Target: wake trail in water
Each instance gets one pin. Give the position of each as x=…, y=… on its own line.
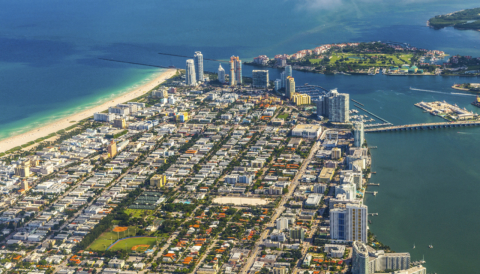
x=464, y=94
x=441, y=92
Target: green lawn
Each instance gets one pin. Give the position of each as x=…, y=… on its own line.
x=137, y=213
x=402, y=59
x=283, y=116
x=109, y=237
x=131, y=242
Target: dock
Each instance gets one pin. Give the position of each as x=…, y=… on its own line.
x=372, y=192
x=372, y=184
x=372, y=214
x=376, y=116
x=357, y=102
x=372, y=147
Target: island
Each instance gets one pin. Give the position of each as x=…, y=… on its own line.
x=365, y=58
x=464, y=19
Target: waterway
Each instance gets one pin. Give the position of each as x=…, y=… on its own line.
x=49, y=63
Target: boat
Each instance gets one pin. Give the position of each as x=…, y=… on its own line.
x=476, y=102
x=413, y=245
x=430, y=246
x=369, y=221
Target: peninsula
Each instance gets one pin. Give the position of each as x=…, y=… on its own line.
x=464, y=19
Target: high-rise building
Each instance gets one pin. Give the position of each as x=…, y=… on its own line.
x=235, y=71
x=336, y=153
x=25, y=185
x=358, y=134
x=282, y=224
x=278, y=84
x=335, y=106
x=290, y=87
x=260, y=78
x=158, y=180
x=288, y=71
x=232, y=72
x=360, y=259
x=283, y=78
x=338, y=107
x=221, y=74
x=297, y=233
x=366, y=260
x=301, y=99
x=119, y=123
x=23, y=171
x=349, y=222
x=198, y=59
x=190, y=77
x=112, y=149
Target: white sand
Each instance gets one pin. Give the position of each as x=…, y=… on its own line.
x=240, y=201
x=34, y=134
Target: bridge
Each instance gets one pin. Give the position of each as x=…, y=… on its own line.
x=425, y=126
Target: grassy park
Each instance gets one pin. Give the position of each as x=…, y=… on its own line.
x=368, y=60
x=108, y=237
x=134, y=244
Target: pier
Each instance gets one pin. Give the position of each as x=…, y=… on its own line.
x=372, y=147
x=376, y=116
x=357, y=102
x=372, y=214
x=372, y=192
x=372, y=184
x=424, y=126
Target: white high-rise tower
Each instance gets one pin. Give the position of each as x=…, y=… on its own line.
x=198, y=58
x=190, y=78
x=221, y=74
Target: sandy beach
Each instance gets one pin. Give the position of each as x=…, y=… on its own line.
x=32, y=135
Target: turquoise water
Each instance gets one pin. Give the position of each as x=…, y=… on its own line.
x=49, y=67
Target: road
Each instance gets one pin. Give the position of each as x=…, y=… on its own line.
x=281, y=207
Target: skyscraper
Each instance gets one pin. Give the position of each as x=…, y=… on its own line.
x=198, y=59
x=278, y=84
x=334, y=106
x=221, y=74
x=290, y=87
x=282, y=224
x=349, y=222
x=360, y=259
x=260, y=78
x=288, y=70
x=112, y=149
x=232, y=71
x=237, y=70
x=283, y=79
x=190, y=78
x=358, y=134
x=297, y=233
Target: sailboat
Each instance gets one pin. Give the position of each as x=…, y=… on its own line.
x=430, y=246
x=413, y=245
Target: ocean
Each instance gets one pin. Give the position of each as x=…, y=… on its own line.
x=50, y=67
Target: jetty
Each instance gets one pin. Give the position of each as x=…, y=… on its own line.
x=372, y=192
x=376, y=116
x=357, y=102
x=372, y=184
x=425, y=126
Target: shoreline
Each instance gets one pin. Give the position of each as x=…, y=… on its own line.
x=32, y=135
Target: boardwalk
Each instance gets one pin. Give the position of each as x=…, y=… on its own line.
x=425, y=126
